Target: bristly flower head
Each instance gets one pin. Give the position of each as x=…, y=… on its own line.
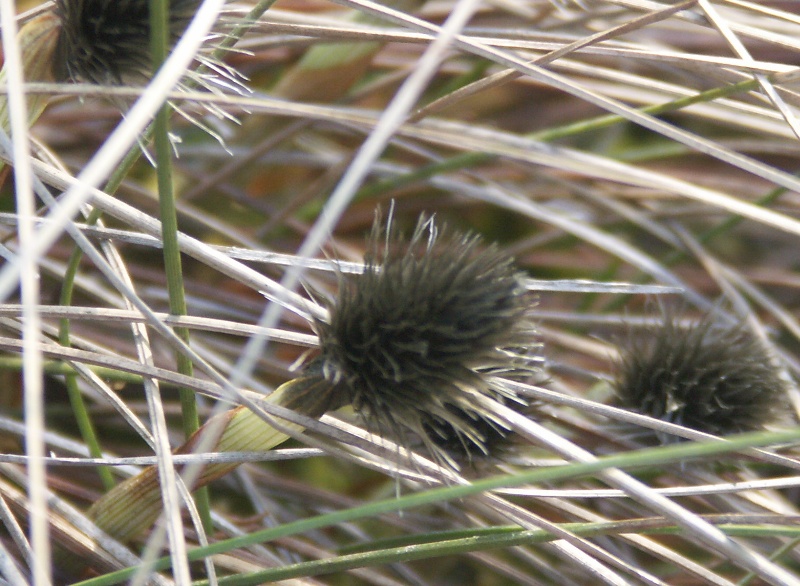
x=108, y=41
x=430, y=323
x=710, y=377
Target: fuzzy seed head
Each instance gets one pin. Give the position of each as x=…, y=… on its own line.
x=427, y=325
x=108, y=41
x=709, y=377
x=495, y=440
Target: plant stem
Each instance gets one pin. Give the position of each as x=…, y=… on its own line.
x=473, y=159
x=73, y=264
x=71, y=379
x=159, y=43
x=646, y=458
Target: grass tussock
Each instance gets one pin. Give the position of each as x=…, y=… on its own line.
x=174, y=244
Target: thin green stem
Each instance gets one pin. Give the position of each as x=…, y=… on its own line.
x=644, y=458
x=82, y=417
x=644, y=526
x=159, y=15
x=723, y=227
x=787, y=547
x=73, y=264
x=472, y=159
x=58, y=367
x=242, y=28
x=159, y=43
x=458, y=546
x=85, y=426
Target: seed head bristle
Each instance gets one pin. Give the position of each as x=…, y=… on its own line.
x=428, y=324
x=495, y=442
x=108, y=41
x=711, y=377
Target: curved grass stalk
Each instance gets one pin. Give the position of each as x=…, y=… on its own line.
x=643, y=458
x=159, y=40
x=444, y=547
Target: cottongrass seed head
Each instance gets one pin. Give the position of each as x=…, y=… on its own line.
x=709, y=376
x=429, y=324
x=107, y=42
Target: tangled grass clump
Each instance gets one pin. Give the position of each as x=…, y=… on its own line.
x=615, y=150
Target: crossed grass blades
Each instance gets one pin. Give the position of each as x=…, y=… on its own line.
x=698, y=193
x=430, y=324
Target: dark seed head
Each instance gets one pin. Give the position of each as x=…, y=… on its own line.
x=428, y=325
x=496, y=441
x=108, y=41
x=709, y=377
